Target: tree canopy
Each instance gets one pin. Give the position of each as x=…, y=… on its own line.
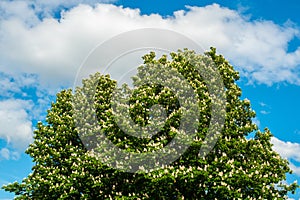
x=237, y=167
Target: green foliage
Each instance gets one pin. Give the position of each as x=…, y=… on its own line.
x=236, y=168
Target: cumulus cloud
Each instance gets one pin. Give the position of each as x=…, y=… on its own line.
x=288, y=150
x=21, y=101
x=15, y=125
x=70, y=3
x=51, y=48
x=20, y=10
x=38, y=9
x=54, y=48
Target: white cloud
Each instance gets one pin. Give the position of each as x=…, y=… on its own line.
x=8, y=154
x=296, y=169
x=33, y=10
x=12, y=85
x=54, y=49
x=288, y=150
x=16, y=114
x=4, y=153
x=262, y=104
x=18, y=10
x=265, y=108
x=15, y=125
x=264, y=112
x=53, y=4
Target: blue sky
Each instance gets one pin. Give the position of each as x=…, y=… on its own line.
x=43, y=43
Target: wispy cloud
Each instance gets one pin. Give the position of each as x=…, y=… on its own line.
x=265, y=108
x=262, y=104
x=8, y=154
x=4, y=153
x=12, y=86
x=264, y=112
